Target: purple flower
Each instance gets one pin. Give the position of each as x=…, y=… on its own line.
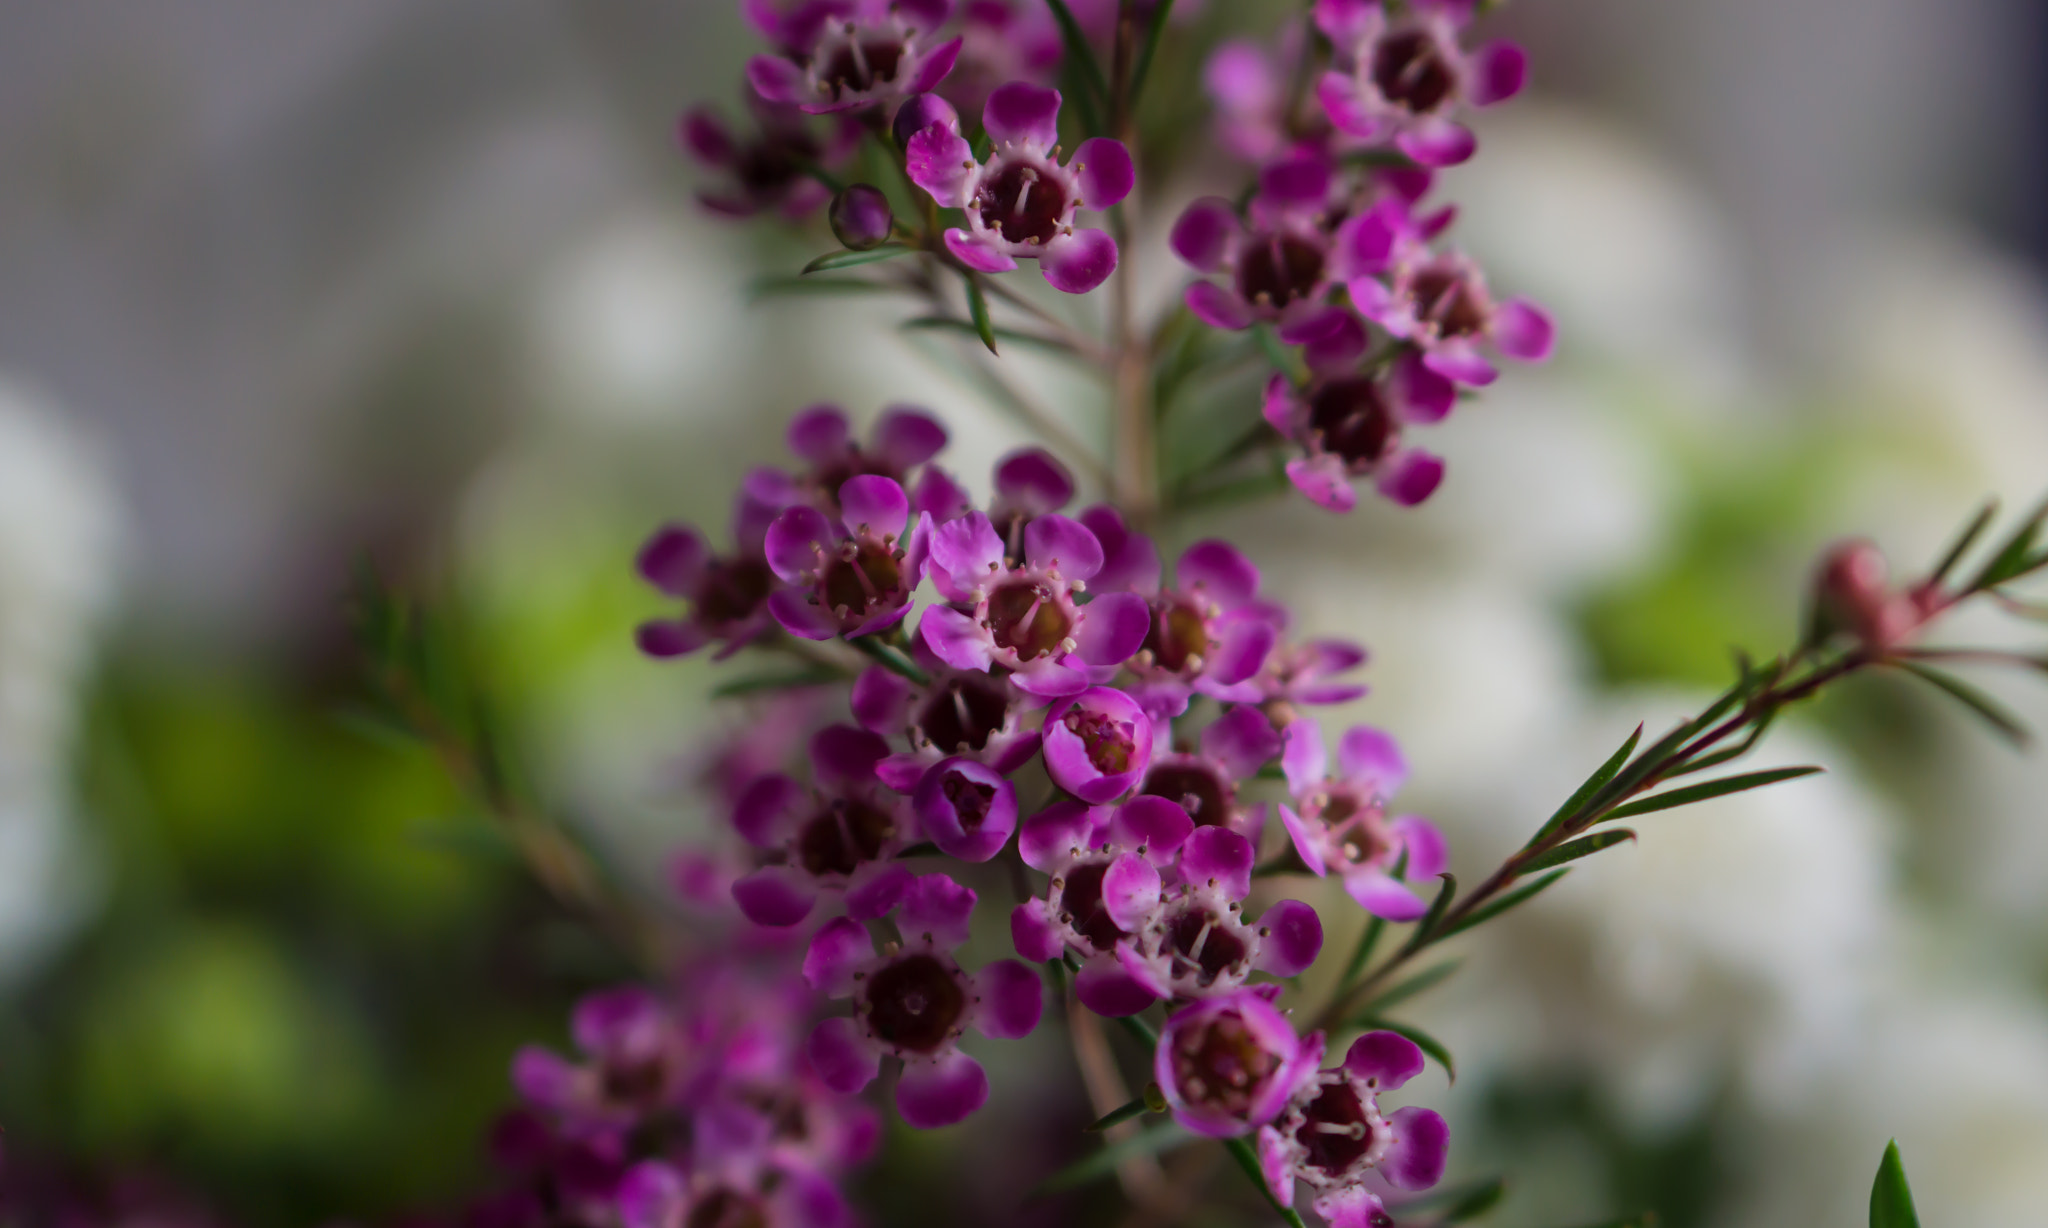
x=733, y=1184
x=1350, y=426
x=1105, y=865
x=1097, y=744
x=1283, y=259
x=967, y=809
x=1003, y=40
x=1332, y=1135
x=1248, y=84
x=1339, y=824
x=1209, y=632
x=1025, y=618
x=840, y=833
x=1440, y=304
x=1099, y=17
x=1029, y=482
x=728, y=594
x=850, y=579
x=841, y=54
x=914, y=1003
x=960, y=713
x=1230, y=1064
x=769, y=169
x=1298, y=674
x=1021, y=202
x=1404, y=77
x=860, y=218
x=1204, y=783
x=636, y=1062
x=1199, y=944
x=904, y=437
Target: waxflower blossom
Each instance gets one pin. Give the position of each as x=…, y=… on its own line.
x=1002, y=41
x=732, y=1180
x=1204, y=781
x=636, y=1062
x=956, y=714
x=1246, y=82
x=1105, y=865
x=914, y=1002
x=1339, y=824
x=1025, y=617
x=1097, y=744
x=769, y=170
x=1020, y=204
x=1199, y=944
x=1350, y=426
x=1332, y=1135
x=903, y=438
x=1229, y=1064
x=840, y=833
x=850, y=579
x=860, y=218
x=1210, y=634
x=966, y=808
x=1852, y=593
x=1029, y=482
x=728, y=594
x=1283, y=259
x=1440, y=304
x=1299, y=675
x=1405, y=76
x=838, y=55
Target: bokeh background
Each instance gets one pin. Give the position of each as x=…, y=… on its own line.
x=285, y=287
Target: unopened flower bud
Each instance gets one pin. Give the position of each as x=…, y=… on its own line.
x=921, y=111
x=1852, y=595
x=861, y=218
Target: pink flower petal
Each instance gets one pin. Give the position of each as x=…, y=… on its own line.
x=1217, y=307
x=1012, y=1000
x=978, y=253
x=1290, y=938
x=1428, y=851
x=1202, y=234
x=841, y=1058
x=1324, y=481
x=940, y=161
x=1078, y=262
x=1104, y=172
x=1523, y=330
x=942, y=1092
x=1305, y=843
x=835, y=953
x=775, y=896
x=1023, y=114
x=937, y=909
x=1411, y=476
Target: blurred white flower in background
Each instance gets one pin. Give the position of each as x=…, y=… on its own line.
x=60, y=551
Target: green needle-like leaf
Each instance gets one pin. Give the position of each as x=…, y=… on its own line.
x=1241, y=1151
x=1891, y=1201
x=1963, y=543
x=1708, y=790
x=1118, y=1116
x=1419, y=983
x=944, y=324
x=1594, y=784
x=2015, y=558
x=1993, y=712
x=1585, y=846
x=1143, y=67
x=1422, y=1040
x=846, y=260
x=1094, y=95
x=1520, y=895
x=977, y=307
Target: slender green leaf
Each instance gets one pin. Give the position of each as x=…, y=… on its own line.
x=1363, y=951
x=1993, y=712
x=944, y=324
x=1143, y=67
x=1100, y=1164
x=1494, y=908
x=891, y=658
x=1140, y=1031
x=1593, y=784
x=1435, y=915
x=1118, y=1116
x=1707, y=790
x=977, y=307
x=787, y=680
x=923, y=848
x=2013, y=558
x=1584, y=846
x=1891, y=1201
x=1421, y=982
x=846, y=260
x=1081, y=59
x=1422, y=1040
x=376, y=726
x=1241, y=1151
x=1963, y=543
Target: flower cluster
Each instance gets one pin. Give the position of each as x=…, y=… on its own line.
x=1066, y=702
x=1335, y=250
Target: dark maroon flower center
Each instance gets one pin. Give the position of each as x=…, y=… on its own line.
x=724, y=1208
x=636, y=1081
x=1448, y=299
x=1409, y=68
x=1026, y=617
x=964, y=713
x=970, y=798
x=1218, y=1063
x=844, y=834
x=1082, y=907
x=1352, y=417
x=850, y=464
x=863, y=575
x=733, y=590
x=914, y=1003
x=1278, y=269
x=1336, y=1129
x=767, y=168
x=1207, y=943
x=1360, y=825
x=1025, y=202
x=1195, y=787
x=1106, y=740
x=1179, y=635
x=858, y=63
